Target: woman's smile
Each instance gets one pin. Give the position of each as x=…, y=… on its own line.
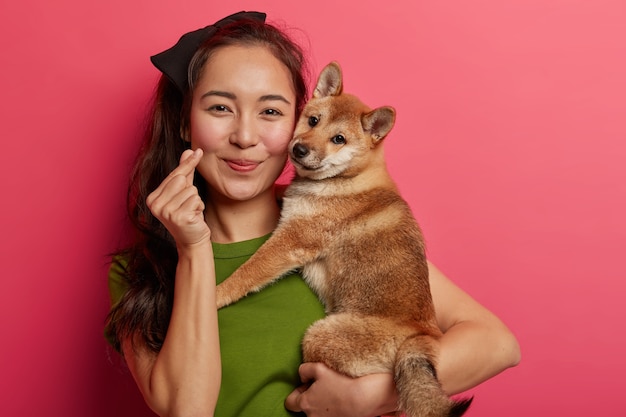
x=242, y=165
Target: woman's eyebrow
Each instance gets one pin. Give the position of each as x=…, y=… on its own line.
x=219, y=94
x=226, y=94
x=273, y=97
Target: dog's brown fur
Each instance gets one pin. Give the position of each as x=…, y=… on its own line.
x=360, y=249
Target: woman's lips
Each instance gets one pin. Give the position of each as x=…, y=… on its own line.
x=241, y=165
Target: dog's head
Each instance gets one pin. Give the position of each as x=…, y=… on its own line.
x=336, y=133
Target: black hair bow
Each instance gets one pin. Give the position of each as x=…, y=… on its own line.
x=174, y=62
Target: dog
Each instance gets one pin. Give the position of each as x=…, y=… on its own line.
x=345, y=225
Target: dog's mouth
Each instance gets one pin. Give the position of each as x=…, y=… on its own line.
x=301, y=165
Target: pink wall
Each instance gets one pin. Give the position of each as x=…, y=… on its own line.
x=510, y=145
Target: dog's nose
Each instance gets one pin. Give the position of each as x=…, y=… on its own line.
x=299, y=150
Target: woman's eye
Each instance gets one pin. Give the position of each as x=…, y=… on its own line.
x=272, y=112
x=313, y=121
x=218, y=108
x=338, y=140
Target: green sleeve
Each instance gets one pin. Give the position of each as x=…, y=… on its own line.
x=117, y=288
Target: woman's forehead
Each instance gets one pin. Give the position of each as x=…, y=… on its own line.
x=246, y=69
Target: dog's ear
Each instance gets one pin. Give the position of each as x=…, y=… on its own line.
x=378, y=122
x=329, y=82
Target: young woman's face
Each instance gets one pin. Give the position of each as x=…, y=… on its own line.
x=242, y=116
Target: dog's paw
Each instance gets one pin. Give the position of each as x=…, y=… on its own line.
x=221, y=297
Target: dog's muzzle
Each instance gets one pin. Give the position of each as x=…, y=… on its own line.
x=299, y=151
x=299, y=154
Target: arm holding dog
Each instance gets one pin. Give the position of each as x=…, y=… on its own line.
x=476, y=345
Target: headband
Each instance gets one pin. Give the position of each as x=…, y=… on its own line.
x=174, y=62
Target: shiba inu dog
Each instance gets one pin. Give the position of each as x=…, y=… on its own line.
x=344, y=223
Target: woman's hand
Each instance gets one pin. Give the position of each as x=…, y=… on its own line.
x=328, y=393
x=177, y=204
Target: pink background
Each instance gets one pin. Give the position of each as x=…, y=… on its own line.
x=510, y=146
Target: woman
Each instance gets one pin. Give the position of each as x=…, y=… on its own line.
x=202, y=199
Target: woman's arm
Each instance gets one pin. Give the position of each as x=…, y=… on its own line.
x=475, y=346
x=184, y=377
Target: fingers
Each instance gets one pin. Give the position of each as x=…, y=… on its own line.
x=177, y=204
x=188, y=162
x=309, y=372
x=293, y=400
x=182, y=201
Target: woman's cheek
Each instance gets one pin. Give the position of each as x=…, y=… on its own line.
x=278, y=138
x=205, y=137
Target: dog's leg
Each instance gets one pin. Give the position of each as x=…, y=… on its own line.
x=276, y=257
x=354, y=345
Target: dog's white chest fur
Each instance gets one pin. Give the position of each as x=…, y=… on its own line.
x=315, y=275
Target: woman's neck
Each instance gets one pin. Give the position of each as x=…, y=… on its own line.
x=236, y=221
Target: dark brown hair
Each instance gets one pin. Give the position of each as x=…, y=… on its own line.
x=149, y=263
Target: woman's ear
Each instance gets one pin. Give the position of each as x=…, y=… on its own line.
x=184, y=134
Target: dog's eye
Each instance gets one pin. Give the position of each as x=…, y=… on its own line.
x=313, y=121
x=338, y=140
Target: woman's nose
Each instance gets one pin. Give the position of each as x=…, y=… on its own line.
x=245, y=133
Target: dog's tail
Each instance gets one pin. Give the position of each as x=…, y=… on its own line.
x=420, y=393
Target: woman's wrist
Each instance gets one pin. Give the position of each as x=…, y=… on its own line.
x=191, y=250
x=380, y=388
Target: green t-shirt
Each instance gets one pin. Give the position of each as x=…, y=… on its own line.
x=260, y=337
